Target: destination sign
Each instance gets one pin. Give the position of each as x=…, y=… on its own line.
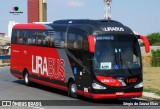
x=105, y=38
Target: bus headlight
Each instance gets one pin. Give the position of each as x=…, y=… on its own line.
x=97, y=86
x=140, y=85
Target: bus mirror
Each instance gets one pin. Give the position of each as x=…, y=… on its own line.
x=91, y=43
x=146, y=43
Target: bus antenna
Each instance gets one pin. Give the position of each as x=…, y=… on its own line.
x=107, y=8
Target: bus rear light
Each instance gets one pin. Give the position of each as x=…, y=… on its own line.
x=97, y=86
x=91, y=43
x=146, y=43
x=140, y=85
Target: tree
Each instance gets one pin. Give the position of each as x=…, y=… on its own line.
x=154, y=39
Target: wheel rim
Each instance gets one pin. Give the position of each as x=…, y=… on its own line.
x=73, y=88
x=26, y=78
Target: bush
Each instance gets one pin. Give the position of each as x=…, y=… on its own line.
x=155, y=61
x=157, y=44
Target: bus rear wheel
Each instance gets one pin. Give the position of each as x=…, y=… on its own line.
x=72, y=92
x=26, y=78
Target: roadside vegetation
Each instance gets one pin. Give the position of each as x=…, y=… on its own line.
x=151, y=66
x=154, y=39
x=151, y=77
x=155, y=60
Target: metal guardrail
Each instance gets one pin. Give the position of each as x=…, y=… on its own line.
x=4, y=57
x=152, y=48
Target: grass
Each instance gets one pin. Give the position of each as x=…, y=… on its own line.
x=151, y=78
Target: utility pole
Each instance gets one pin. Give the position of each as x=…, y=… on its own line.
x=107, y=9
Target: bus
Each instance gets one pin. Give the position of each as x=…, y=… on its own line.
x=97, y=59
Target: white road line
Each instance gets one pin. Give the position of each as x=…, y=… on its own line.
x=36, y=107
x=140, y=99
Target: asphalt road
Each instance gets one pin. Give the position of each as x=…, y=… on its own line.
x=13, y=89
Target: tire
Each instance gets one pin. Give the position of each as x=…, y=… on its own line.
x=26, y=78
x=72, y=92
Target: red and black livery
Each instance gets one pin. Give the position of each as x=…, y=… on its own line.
x=98, y=59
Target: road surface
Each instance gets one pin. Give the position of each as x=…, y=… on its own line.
x=13, y=89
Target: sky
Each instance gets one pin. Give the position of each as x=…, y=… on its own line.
x=142, y=16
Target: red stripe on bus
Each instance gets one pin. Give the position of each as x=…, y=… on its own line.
x=110, y=81
x=125, y=95
x=30, y=26
x=17, y=75
x=108, y=96
x=80, y=92
x=49, y=84
x=87, y=94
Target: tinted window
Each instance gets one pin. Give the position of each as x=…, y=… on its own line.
x=116, y=52
x=47, y=38
x=59, y=39
x=77, y=39
x=14, y=38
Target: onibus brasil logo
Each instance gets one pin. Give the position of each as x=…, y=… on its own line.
x=16, y=10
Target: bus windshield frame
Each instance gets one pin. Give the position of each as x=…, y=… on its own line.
x=117, y=53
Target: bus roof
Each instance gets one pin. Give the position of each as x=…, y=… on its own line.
x=91, y=26
x=85, y=21
x=102, y=26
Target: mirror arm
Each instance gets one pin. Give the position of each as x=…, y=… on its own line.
x=145, y=41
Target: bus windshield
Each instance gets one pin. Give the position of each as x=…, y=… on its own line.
x=115, y=52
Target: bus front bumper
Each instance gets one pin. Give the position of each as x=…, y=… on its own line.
x=117, y=95
x=110, y=96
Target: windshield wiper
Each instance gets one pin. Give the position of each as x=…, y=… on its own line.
x=121, y=62
x=120, y=58
x=115, y=54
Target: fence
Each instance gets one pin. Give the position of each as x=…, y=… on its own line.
x=152, y=48
x=4, y=60
x=4, y=57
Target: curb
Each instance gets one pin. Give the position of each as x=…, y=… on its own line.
x=151, y=96
x=4, y=64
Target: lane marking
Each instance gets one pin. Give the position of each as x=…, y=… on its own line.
x=36, y=107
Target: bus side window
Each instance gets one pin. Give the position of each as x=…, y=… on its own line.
x=20, y=36
x=25, y=37
x=39, y=41
x=58, y=39
x=29, y=41
x=39, y=37
x=45, y=41
x=33, y=41
x=14, y=37
x=17, y=36
x=50, y=41
x=80, y=38
x=34, y=35
x=21, y=40
x=62, y=35
x=85, y=42
x=79, y=41
x=71, y=42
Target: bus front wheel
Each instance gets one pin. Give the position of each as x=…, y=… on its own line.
x=72, y=92
x=26, y=78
